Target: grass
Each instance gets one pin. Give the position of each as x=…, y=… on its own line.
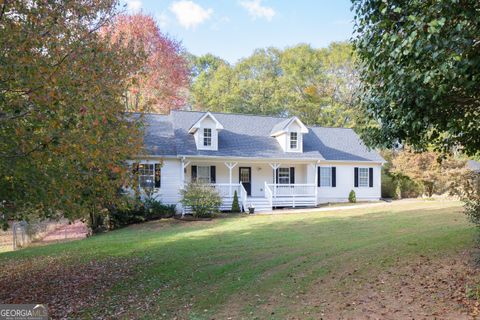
x=255, y=266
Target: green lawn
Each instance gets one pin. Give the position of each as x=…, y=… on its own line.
x=252, y=266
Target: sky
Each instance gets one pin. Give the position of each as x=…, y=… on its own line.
x=233, y=29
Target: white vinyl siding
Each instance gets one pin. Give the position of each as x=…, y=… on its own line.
x=206, y=137
x=170, y=178
x=345, y=183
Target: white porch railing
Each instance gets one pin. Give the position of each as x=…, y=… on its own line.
x=243, y=197
x=293, y=194
x=278, y=195
x=286, y=190
x=226, y=189
x=268, y=194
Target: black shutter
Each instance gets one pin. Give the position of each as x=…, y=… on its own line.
x=292, y=175
x=194, y=173
x=158, y=176
x=370, y=177
x=213, y=175
x=276, y=176
x=356, y=178
x=318, y=176
x=334, y=176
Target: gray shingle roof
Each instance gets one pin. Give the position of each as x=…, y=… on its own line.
x=280, y=126
x=249, y=136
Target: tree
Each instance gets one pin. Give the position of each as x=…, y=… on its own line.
x=319, y=84
x=316, y=85
x=64, y=137
x=161, y=82
x=235, y=205
x=429, y=168
x=352, y=197
x=419, y=68
x=210, y=82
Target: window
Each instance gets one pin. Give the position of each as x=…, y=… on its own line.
x=245, y=175
x=207, y=137
x=363, y=177
x=283, y=175
x=203, y=174
x=293, y=140
x=149, y=175
x=325, y=177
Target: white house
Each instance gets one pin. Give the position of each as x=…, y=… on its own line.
x=271, y=162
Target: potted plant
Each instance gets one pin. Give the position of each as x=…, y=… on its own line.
x=251, y=208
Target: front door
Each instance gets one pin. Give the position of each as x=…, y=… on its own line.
x=246, y=179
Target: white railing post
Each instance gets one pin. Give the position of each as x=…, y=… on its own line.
x=268, y=194
x=243, y=196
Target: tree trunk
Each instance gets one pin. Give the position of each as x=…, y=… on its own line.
x=429, y=188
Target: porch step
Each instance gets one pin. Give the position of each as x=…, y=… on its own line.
x=260, y=204
x=299, y=201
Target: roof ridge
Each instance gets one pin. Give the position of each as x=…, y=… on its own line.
x=235, y=114
x=258, y=115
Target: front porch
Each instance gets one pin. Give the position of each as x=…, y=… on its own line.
x=265, y=185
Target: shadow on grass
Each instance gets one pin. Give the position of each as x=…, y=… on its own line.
x=202, y=265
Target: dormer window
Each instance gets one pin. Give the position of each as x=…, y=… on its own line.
x=205, y=132
x=289, y=134
x=293, y=140
x=207, y=137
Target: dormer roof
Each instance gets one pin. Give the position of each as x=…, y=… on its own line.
x=197, y=124
x=282, y=127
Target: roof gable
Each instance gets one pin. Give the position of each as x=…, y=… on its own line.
x=198, y=124
x=282, y=127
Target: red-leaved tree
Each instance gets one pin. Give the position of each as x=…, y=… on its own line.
x=161, y=83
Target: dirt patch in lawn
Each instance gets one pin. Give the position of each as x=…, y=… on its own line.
x=425, y=288
x=422, y=288
x=66, y=285
x=169, y=223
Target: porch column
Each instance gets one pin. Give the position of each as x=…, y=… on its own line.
x=275, y=166
x=315, y=172
x=182, y=173
x=230, y=166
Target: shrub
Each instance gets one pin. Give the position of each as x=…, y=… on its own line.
x=203, y=199
x=352, y=198
x=155, y=209
x=388, y=186
x=468, y=189
x=136, y=211
x=235, y=205
x=410, y=188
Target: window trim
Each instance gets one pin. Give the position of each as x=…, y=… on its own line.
x=207, y=137
x=152, y=173
x=366, y=177
x=294, y=140
x=329, y=176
